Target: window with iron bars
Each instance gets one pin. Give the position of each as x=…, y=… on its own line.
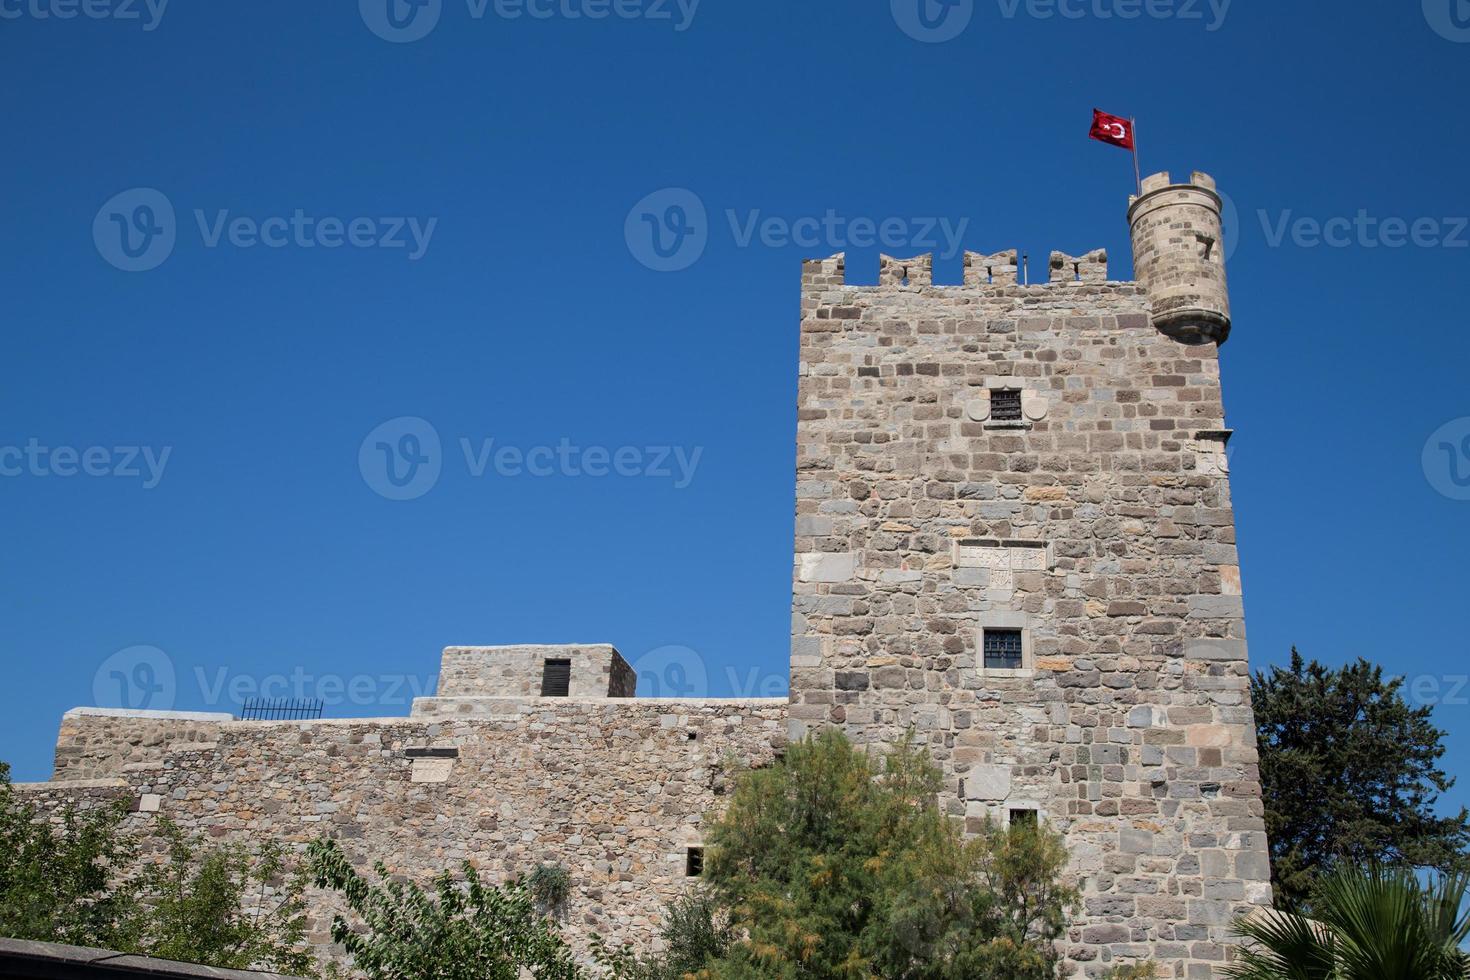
x=1005, y=405
x=1003, y=649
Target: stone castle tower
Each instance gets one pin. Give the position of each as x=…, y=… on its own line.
x=1013, y=537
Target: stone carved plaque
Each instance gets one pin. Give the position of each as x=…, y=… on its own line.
x=431, y=770
x=1002, y=558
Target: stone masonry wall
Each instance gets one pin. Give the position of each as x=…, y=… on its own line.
x=614, y=790
x=1099, y=524
x=101, y=742
x=598, y=671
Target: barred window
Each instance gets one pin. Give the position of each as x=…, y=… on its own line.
x=1002, y=649
x=694, y=862
x=1005, y=405
x=556, y=679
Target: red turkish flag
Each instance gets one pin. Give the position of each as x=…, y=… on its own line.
x=1112, y=129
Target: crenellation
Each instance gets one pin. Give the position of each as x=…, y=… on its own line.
x=1091, y=267
x=917, y=271
x=995, y=269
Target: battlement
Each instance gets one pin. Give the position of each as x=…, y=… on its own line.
x=994, y=271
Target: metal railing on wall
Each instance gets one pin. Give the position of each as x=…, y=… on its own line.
x=281, y=709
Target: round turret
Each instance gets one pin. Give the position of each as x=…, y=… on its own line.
x=1179, y=257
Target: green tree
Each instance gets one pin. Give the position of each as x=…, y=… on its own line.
x=1350, y=772
x=695, y=932
x=829, y=864
x=1367, y=925
x=57, y=878
x=80, y=880
x=225, y=906
x=461, y=930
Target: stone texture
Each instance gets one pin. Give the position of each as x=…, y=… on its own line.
x=615, y=790
x=1138, y=712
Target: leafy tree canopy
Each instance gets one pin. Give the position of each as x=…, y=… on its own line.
x=830, y=864
x=1350, y=772
x=461, y=929
x=82, y=879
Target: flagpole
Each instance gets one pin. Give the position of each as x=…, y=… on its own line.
x=1137, y=174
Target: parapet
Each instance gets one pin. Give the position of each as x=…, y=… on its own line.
x=995, y=270
x=577, y=670
x=1092, y=267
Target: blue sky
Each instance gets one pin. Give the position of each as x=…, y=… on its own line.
x=370, y=228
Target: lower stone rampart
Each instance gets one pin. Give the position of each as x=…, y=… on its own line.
x=614, y=790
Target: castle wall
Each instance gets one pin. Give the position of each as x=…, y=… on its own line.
x=613, y=790
x=96, y=742
x=1099, y=524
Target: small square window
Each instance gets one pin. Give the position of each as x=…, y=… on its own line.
x=1005, y=405
x=556, y=679
x=1023, y=818
x=1003, y=649
x=694, y=862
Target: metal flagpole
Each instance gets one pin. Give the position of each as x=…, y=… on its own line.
x=1137, y=174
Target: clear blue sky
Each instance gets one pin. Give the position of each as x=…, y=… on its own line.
x=523, y=315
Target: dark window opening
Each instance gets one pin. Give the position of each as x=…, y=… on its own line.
x=1005, y=405
x=1023, y=818
x=1002, y=649
x=556, y=679
x=694, y=862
